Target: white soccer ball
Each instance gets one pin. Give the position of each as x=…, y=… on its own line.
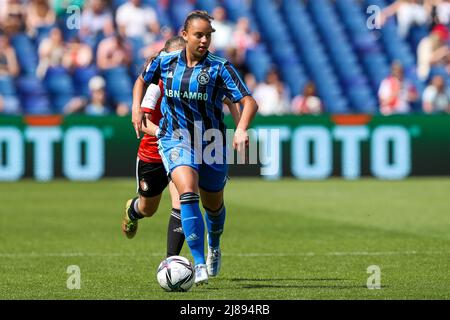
x=175, y=274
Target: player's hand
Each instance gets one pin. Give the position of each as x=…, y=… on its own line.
x=137, y=118
x=151, y=129
x=240, y=143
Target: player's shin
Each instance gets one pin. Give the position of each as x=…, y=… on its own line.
x=215, y=221
x=193, y=225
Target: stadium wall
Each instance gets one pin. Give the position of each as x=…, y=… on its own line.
x=306, y=147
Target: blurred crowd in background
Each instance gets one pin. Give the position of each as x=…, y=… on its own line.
x=296, y=56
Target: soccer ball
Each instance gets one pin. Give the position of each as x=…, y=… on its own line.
x=175, y=274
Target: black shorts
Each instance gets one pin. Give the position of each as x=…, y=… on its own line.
x=151, y=178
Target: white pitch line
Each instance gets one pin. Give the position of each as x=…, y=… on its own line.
x=249, y=254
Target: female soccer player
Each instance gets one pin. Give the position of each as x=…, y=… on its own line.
x=151, y=175
x=195, y=82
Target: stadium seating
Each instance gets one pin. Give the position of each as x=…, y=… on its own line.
x=58, y=83
x=325, y=41
x=81, y=77
x=345, y=63
x=281, y=47
x=118, y=85
x=314, y=56
x=33, y=96
x=26, y=53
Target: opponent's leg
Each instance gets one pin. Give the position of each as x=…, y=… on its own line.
x=151, y=180
x=175, y=235
x=136, y=209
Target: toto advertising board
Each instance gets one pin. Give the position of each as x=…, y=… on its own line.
x=303, y=147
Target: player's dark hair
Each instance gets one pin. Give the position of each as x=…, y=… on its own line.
x=197, y=14
x=176, y=41
x=172, y=42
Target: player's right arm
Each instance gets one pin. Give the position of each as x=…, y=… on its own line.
x=148, y=105
x=151, y=74
x=137, y=115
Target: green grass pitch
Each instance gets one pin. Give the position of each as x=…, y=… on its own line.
x=285, y=239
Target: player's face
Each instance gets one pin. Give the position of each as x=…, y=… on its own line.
x=198, y=37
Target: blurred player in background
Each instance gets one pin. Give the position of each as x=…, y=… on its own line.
x=195, y=82
x=151, y=175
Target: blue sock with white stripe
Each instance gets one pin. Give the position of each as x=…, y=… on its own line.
x=215, y=222
x=193, y=225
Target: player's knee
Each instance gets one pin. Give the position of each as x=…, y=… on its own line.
x=214, y=210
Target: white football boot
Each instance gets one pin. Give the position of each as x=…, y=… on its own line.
x=201, y=274
x=213, y=261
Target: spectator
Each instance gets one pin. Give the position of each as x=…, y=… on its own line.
x=243, y=38
x=9, y=68
x=237, y=61
x=441, y=12
x=12, y=17
x=250, y=81
x=396, y=93
x=77, y=55
x=307, y=102
x=39, y=15
x=436, y=96
x=155, y=47
x=432, y=50
x=51, y=52
x=409, y=13
x=97, y=106
x=113, y=52
x=271, y=95
x=134, y=20
x=222, y=38
x=96, y=21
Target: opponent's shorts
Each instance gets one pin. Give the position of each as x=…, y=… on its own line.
x=209, y=163
x=151, y=178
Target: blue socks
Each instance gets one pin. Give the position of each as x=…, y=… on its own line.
x=215, y=225
x=193, y=225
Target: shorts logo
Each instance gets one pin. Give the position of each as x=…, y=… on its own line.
x=203, y=77
x=144, y=185
x=174, y=155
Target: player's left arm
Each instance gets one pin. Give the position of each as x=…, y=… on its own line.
x=238, y=91
x=235, y=110
x=250, y=107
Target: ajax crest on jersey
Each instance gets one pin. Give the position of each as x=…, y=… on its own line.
x=175, y=274
x=203, y=77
